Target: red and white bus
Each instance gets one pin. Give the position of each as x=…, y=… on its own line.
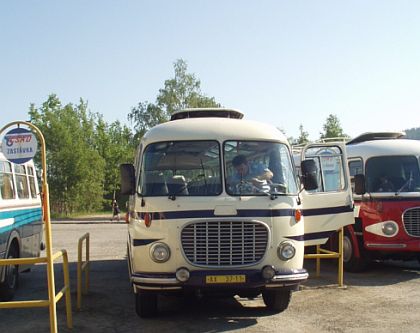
x=384, y=171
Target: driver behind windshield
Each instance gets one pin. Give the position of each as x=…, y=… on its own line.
x=252, y=175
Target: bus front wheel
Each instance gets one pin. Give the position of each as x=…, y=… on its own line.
x=146, y=304
x=277, y=300
x=351, y=262
x=11, y=276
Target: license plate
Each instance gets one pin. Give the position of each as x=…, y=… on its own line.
x=212, y=279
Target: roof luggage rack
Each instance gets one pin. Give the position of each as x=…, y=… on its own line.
x=207, y=113
x=371, y=136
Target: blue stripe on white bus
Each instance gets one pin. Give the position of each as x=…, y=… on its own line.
x=20, y=217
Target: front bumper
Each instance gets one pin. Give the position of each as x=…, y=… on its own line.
x=253, y=279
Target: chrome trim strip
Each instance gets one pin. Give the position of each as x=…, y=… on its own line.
x=394, y=246
x=290, y=277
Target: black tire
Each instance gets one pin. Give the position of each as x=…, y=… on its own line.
x=11, y=276
x=277, y=300
x=146, y=304
x=351, y=262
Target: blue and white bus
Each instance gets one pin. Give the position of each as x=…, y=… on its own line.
x=21, y=228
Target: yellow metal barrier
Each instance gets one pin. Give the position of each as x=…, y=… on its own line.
x=326, y=254
x=82, y=266
x=65, y=291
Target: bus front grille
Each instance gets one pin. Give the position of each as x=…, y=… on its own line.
x=224, y=243
x=411, y=219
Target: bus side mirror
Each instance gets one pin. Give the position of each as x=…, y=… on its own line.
x=128, y=179
x=309, y=175
x=359, y=184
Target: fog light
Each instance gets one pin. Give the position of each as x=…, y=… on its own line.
x=286, y=251
x=268, y=272
x=389, y=228
x=159, y=252
x=182, y=274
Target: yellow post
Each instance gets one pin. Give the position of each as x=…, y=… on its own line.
x=82, y=266
x=318, y=261
x=67, y=287
x=340, y=258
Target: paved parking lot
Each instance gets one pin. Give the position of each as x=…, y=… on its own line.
x=384, y=299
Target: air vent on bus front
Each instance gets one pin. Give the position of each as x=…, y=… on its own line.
x=224, y=243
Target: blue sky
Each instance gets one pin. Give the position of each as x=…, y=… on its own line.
x=283, y=62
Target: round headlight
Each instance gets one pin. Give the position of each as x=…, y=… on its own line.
x=182, y=274
x=268, y=272
x=286, y=251
x=389, y=228
x=159, y=252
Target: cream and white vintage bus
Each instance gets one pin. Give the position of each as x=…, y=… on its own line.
x=21, y=228
x=199, y=223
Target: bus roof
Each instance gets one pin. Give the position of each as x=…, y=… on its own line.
x=220, y=129
x=387, y=147
x=371, y=136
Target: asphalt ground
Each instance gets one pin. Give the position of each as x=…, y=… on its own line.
x=386, y=298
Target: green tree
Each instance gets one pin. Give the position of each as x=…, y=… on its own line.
x=115, y=144
x=182, y=91
x=332, y=128
x=75, y=169
x=303, y=136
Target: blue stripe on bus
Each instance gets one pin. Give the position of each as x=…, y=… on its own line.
x=312, y=236
x=327, y=210
x=187, y=214
x=21, y=217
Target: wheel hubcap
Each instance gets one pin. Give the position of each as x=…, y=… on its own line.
x=347, y=249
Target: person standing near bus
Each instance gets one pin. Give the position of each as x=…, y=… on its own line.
x=115, y=210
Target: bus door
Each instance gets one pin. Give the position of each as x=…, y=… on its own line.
x=330, y=206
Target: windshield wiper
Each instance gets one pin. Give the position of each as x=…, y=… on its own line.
x=406, y=184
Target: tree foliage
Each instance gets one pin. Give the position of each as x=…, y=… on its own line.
x=413, y=133
x=332, y=128
x=303, y=136
x=83, y=154
x=182, y=91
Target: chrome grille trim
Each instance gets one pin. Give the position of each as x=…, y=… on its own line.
x=224, y=243
x=411, y=220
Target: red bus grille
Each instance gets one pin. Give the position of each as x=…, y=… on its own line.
x=411, y=219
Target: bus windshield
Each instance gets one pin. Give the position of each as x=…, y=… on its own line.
x=392, y=174
x=181, y=168
x=258, y=168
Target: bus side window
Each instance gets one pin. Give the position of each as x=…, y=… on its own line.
x=355, y=168
x=6, y=181
x=21, y=182
x=32, y=185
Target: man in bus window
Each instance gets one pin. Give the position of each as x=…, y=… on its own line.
x=253, y=173
x=385, y=185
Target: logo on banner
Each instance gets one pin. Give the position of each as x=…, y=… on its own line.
x=19, y=145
